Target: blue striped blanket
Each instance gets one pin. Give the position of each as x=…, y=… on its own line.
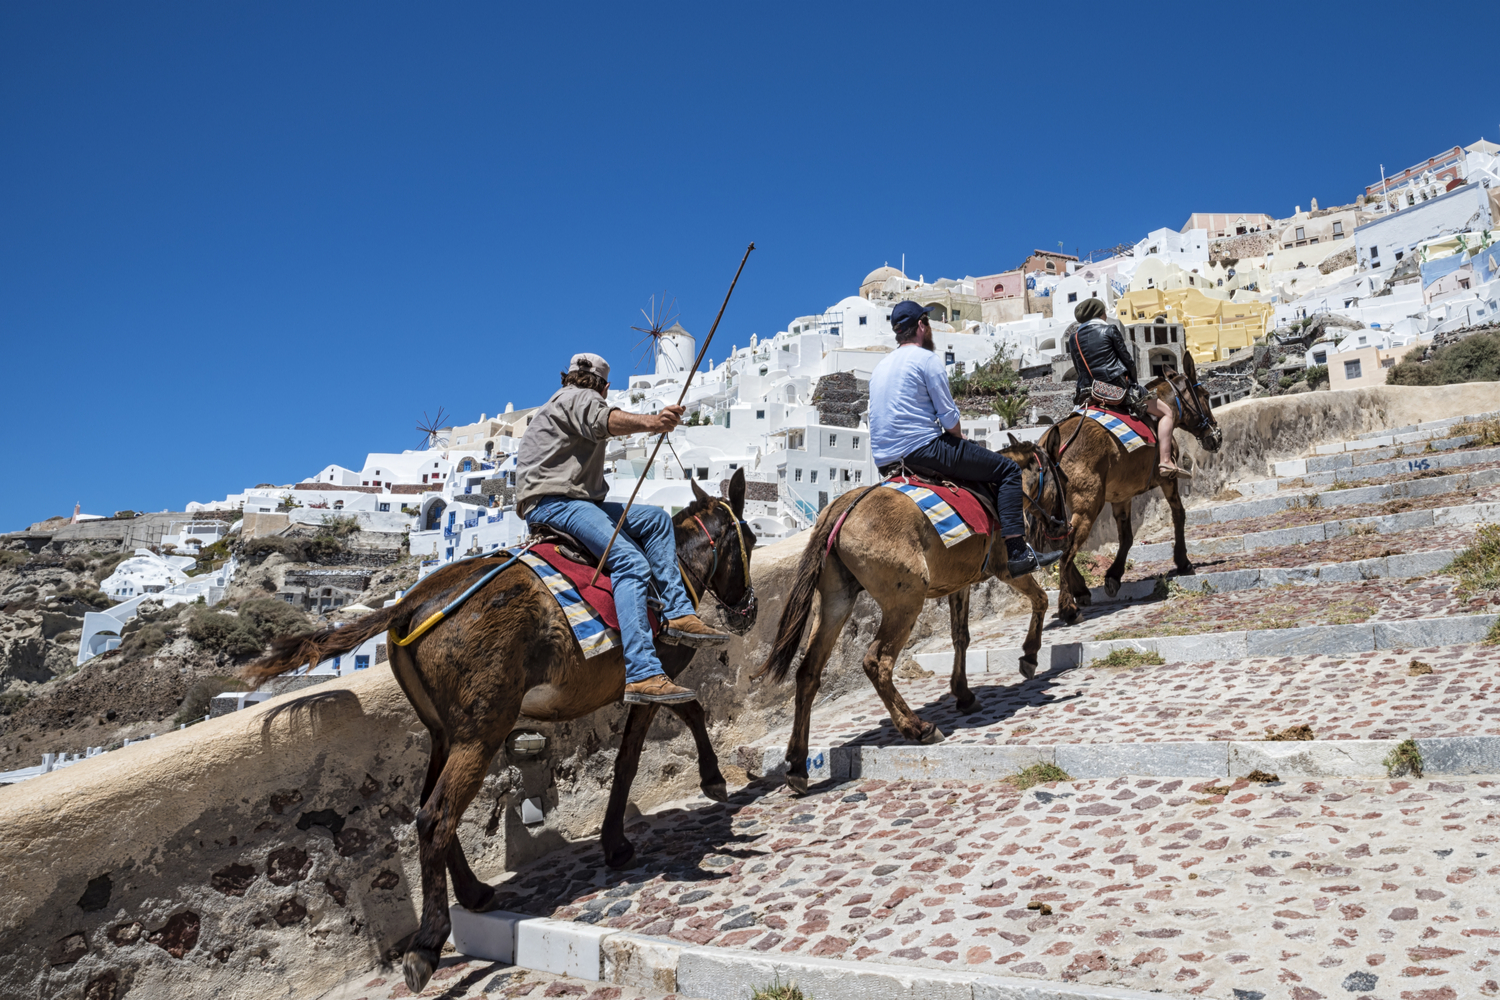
x=1111, y=422
x=593, y=635
x=950, y=526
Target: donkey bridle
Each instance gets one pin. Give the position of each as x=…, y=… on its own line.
x=738, y=616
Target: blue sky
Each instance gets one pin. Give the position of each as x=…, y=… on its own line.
x=241, y=241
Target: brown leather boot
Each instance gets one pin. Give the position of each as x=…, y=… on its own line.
x=657, y=690
x=689, y=630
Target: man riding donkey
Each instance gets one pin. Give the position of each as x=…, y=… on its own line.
x=1106, y=372
x=914, y=425
x=560, y=484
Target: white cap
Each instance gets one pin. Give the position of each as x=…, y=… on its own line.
x=589, y=363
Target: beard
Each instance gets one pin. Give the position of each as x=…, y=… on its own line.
x=926, y=340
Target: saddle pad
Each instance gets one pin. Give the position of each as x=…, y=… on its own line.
x=955, y=514
x=1130, y=432
x=590, y=609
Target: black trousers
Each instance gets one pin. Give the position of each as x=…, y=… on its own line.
x=956, y=458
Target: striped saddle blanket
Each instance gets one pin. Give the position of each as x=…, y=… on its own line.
x=954, y=513
x=590, y=609
x=1129, y=431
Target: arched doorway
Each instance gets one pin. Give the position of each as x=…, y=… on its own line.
x=434, y=519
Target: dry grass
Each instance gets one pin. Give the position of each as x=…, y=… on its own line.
x=1261, y=777
x=778, y=991
x=1418, y=668
x=1127, y=658
x=1478, y=566
x=1290, y=734
x=1037, y=774
x=1486, y=433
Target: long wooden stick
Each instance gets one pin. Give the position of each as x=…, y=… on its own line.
x=680, y=397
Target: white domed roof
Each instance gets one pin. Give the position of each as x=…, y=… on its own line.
x=881, y=273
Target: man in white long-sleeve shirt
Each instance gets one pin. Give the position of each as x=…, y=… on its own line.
x=914, y=422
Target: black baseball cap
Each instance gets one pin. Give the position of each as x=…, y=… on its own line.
x=906, y=312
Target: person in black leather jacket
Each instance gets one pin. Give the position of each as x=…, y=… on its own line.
x=1099, y=354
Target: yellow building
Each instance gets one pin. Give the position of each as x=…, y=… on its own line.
x=1214, y=327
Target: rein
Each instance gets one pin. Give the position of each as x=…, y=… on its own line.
x=746, y=607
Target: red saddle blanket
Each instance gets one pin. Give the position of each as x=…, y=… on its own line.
x=600, y=596
x=964, y=503
x=1121, y=425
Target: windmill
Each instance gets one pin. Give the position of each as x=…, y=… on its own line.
x=659, y=315
x=429, y=429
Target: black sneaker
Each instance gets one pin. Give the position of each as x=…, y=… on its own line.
x=1029, y=561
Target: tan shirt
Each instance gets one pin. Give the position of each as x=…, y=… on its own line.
x=562, y=451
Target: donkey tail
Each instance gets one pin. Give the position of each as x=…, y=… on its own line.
x=289, y=652
x=799, y=602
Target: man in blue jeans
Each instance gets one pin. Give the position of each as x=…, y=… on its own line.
x=914, y=422
x=560, y=482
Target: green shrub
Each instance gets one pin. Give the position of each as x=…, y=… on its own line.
x=1476, y=358
x=108, y=564
x=322, y=548
x=272, y=618
x=339, y=525
x=229, y=634
x=11, y=701
x=199, y=693
x=75, y=565
x=145, y=640
x=10, y=558
x=1129, y=658
x=1316, y=375
x=87, y=595
x=1405, y=759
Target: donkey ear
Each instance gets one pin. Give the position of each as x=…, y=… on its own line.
x=1189, y=366
x=698, y=493
x=1015, y=442
x=737, y=493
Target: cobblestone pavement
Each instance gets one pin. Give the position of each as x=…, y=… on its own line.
x=1300, y=890
x=1366, y=696
x=1291, y=606
x=459, y=978
x=1298, y=516
x=1338, y=550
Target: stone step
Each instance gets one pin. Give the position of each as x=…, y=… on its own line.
x=1299, y=467
x=1411, y=633
x=1079, y=889
x=1384, y=524
x=1228, y=759
x=1407, y=465
x=1402, y=566
x=1413, y=488
x=587, y=952
x=1425, y=427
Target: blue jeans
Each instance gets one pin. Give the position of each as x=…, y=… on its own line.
x=645, y=551
x=946, y=455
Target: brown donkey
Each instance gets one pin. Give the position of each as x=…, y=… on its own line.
x=1096, y=470
x=507, y=652
x=887, y=546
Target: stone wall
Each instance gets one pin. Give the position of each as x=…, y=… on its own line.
x=271, y=851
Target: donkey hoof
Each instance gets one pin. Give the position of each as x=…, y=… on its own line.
x=419, y=965
x=1111, y=586
x=969, y=705
x=1071, y=616
x=716, y=790
x=620, y=855
x=1028, y=668
x=931, y=734
x=1084, y=599
x=797, y=783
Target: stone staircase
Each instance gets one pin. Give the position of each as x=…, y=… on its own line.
x=1276, y=779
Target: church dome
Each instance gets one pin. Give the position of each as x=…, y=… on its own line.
x=879, y=275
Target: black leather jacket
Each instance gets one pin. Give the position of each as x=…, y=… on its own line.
x=1098, y=351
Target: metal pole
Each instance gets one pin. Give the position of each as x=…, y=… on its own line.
x=680, y=397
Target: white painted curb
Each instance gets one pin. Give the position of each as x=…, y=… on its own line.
x=706, y=973
x=1228, y=759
